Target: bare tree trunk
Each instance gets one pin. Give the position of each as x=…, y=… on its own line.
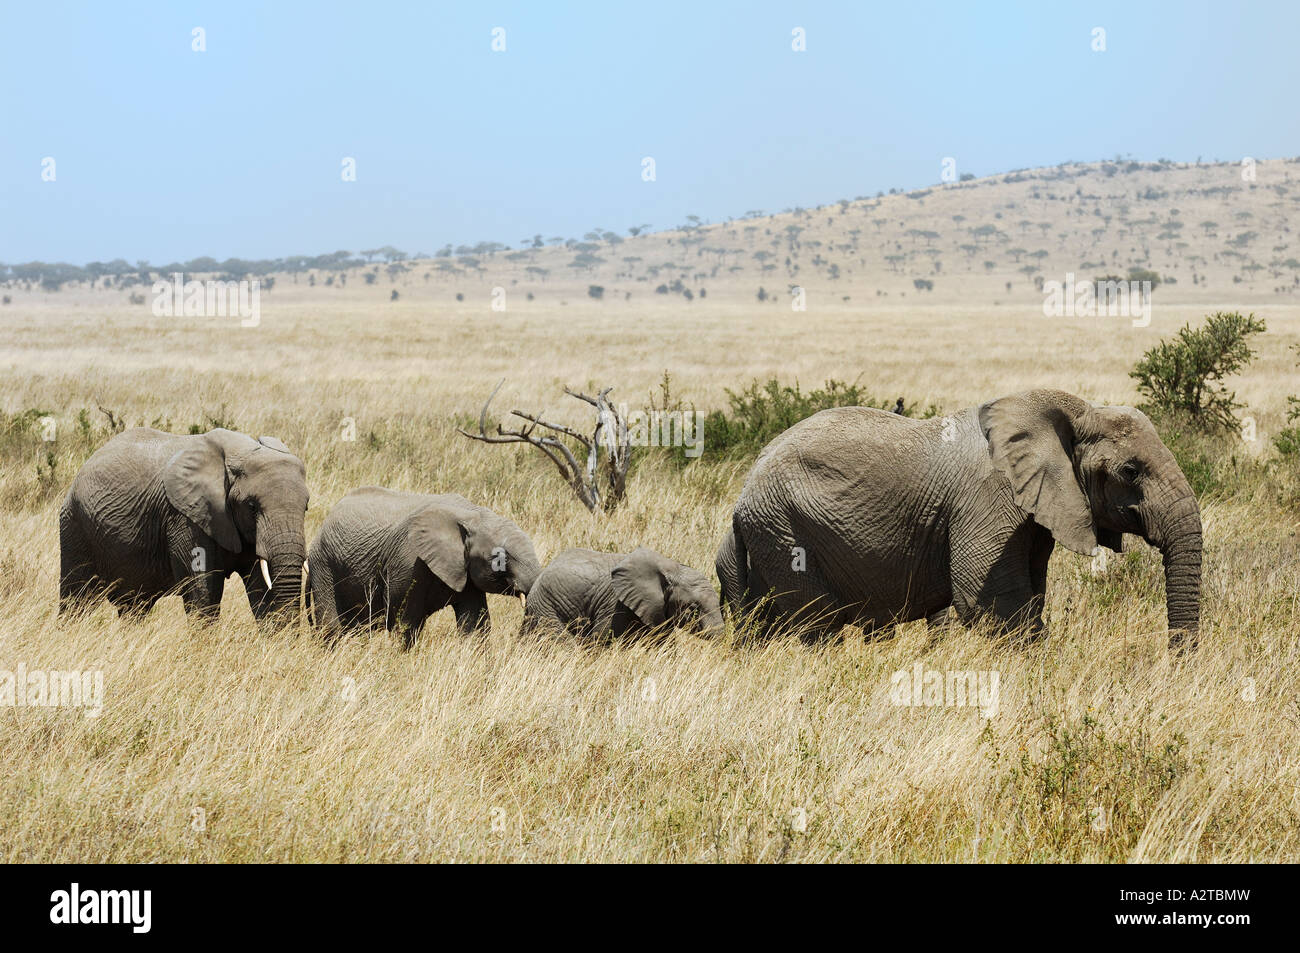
x=609, y=438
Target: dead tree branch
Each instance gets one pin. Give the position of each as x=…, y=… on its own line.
x=609, y=440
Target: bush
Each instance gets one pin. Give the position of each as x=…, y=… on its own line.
x=1185, y=376
x=762, y=411
x=1209, y=460
x=1288, y=441
x=1086, y=786
x=595, y=291
x=1142, y=274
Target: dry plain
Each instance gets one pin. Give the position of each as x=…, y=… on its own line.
x=226, y=743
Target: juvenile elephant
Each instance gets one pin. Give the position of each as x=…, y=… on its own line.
x=857, y=515
x=384, y=555
x=599, y=594
x=153, y=513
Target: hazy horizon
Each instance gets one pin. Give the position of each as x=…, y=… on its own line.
x=164, y=153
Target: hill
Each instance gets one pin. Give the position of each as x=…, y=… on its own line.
x=1208, y=231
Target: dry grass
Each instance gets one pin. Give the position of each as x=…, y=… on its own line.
x=513, y=749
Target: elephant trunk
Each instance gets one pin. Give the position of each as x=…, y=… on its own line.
x=525, y=573
x=284, y=550
x=711, y=623
x=1179, y=541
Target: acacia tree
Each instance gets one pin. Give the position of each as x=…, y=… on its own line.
x=1186, y=375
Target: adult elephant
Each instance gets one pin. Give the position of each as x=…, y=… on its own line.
x=857, y=515
x=594, y=594
x=384, y=556
x=153, y=513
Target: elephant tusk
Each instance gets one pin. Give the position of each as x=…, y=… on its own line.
x=266, y=573
x=523, y=600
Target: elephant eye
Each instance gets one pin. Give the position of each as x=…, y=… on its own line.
x=1129, y=471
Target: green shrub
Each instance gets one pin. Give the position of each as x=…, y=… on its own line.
x=1089, y=789
x=1288, y=441
x=1212, y=461
x=1185, y=376
x=1218, y=465
x=762, y=411
x=1142, y=274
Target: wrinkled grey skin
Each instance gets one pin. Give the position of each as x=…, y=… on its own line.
x=384, y=556
x=902, y=518
x=600, y=595
x=154, y=513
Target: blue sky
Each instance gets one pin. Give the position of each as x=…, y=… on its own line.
x=163, y=153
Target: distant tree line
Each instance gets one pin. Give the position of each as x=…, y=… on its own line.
x=53, y=275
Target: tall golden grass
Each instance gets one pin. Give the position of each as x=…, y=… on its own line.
x=225, y=743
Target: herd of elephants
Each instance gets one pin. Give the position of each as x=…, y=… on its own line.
x=852, y=516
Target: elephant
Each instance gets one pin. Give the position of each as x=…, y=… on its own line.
x=393, y=557
x=856, y=515
x=153, y=513
x=601, y=594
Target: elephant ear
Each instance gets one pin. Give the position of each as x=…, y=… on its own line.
x=1031, y=439
x=641, y=583
x=196, y=483
x=438, y=539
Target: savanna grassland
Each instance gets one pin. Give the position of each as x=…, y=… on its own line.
x=226, y=743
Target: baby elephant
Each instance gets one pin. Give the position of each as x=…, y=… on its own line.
x=599, y=594
x=400, y=557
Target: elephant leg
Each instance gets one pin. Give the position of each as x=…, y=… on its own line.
x=1025, y=618
x=259, y=593
x=817, y=629
x=201, y=594
x=411, y=600
x=1040, y=553
x=1009, y=608
x=1014, y=607
x=812, y=612
x=77, y=581
x=758, y=606
x=131, y=604
x=622, y=625
x=408, y=627
x=322, y=600
x=938, y=617
x=471, y=611
x=1008, y=586
x=731, y=577
x=1021, y=589
x=934, y=622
